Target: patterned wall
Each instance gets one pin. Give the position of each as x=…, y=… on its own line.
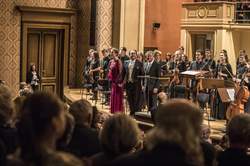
x=104, y=24
x=10, y=23
x=83, y=28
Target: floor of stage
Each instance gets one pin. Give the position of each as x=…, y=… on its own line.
x=71, y=95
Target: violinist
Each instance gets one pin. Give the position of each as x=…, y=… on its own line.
x=224, y=69
x=210, y=63
x=94, y=73
x=198, y=63
x=242, y=67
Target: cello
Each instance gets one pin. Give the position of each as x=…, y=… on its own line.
x=237, y=106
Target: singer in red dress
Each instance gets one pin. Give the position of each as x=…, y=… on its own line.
x=115, y=75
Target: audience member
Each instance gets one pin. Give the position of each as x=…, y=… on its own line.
x=84, y=142
x=63, y=142
x=174, y=140
x=120, y=135
x=41, y=124
x=238, y=131
x=209, y=152
x=8, y=134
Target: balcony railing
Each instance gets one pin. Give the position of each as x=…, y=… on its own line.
x=215, y=12
x=242, y=12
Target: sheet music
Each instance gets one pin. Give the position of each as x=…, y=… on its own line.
x=191, y=72
x=231, y=93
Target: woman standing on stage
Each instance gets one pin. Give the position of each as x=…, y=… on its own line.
x=116, y=77
x=224, y=69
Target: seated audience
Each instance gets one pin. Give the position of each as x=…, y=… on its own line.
x=41, y=124
x=120, y=135
x=8, y=133
x=63, y=142
x=238, y=131
x=209, y=152
x=84, y=142
x=99, y=117
x=174, y=140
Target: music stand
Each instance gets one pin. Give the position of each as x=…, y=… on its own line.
x=220, y=85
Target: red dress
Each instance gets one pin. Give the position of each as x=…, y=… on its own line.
x=116, y=78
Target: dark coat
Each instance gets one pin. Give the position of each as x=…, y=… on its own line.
x=233, y=157
x=84, y=142
x=137, y=71
x=155, y=71
x=164, y=154
x=30, y=76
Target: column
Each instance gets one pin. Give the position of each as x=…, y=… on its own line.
x=103, y=24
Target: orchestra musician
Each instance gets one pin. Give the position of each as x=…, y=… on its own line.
x=94, y=73
x=87, y=67
x=152, y=69
x=105, y=69
x=134, y=68
x=210, y=63
x=242, y=67
x=198, y=64
x=224, y=69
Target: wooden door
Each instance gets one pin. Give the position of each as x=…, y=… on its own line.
x=44, y=49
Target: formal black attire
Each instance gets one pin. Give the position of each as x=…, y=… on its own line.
x=106, y=83
x=233, y=157
x=84, y=142
x=95, y=76
x=152, y=69
x=240, y=70
x=86, y=69
x=219, y=109
x=161, y=155
x=196, y=65
x=133, y=84
x=33, y=79
x=124, y=59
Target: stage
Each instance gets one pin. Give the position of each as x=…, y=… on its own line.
x=143, y=118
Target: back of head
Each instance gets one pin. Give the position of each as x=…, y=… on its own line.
x=82, y=112
x=39, y=112
x=6, y=105
x=120, y=134
x=178, y=121
x=238, y=130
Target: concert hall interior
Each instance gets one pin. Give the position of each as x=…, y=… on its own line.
x=124, y=82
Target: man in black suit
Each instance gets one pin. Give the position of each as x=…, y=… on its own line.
x=133, y=68
x=151, y=85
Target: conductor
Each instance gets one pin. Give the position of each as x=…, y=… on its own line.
x=151, y=85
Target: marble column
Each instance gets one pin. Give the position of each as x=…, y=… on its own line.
x=104, y=16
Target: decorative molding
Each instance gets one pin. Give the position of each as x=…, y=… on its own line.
x=46, y=10
x=202, y=12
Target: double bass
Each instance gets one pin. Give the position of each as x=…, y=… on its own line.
x=237, y=106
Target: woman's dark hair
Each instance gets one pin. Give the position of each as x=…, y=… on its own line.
x=96, y=55
x=38, y=110
x=31, y=66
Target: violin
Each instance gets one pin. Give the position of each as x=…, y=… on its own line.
x=176, y=79
x=237, y=106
